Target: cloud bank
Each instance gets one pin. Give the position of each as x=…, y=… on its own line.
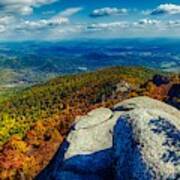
x=18, y=19
x=164, y=9
x=108, y=11
x=23, y=7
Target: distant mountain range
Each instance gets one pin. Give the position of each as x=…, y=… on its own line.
x=27, y=63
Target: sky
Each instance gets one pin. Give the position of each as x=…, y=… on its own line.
x=78, y=19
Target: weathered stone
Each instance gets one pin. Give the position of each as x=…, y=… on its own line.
x=93, y=118
x=138, y=139
x=145, y=103
x=147, y=140
x=123, y=87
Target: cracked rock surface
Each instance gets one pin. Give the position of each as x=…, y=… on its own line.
x=138, y=139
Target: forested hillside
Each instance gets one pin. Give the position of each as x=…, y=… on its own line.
x=34, y=121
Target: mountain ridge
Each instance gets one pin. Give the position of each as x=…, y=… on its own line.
x=35, y=121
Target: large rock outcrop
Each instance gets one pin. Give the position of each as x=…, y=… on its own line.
x=137, y=139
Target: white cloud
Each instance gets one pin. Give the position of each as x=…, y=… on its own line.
x=117, y=25
x=166, y=9
x=13, y=25
x=6, y=20
x=148, y=22
x=23, y=7
x=23, y=10
x=42, y=24
x=61, y=18
x=173, y=23
x=107, y=26
x=69, y=31
x=6, y=23
x=71, y=11
x=108, y=11
x=2, y=28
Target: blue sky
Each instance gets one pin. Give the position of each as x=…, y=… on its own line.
x=67, y=19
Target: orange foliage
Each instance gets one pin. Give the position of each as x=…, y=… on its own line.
x=25, y=156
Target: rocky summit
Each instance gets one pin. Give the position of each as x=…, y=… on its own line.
x=138, y=139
